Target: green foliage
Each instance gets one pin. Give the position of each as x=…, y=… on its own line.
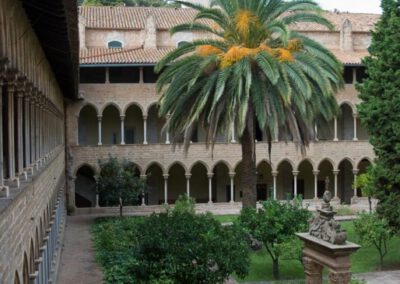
x=179, y=247
x=275, y=224
x=185, y=204
x=254, y=70
x=130, y=3
x=379, y=111
x=364, y=182
x=118, y=184
x=344, y=210
x=372, y=230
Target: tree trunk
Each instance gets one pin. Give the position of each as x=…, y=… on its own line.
x=275, y=268
x=370, y=204
x=249, y=176
x=120, y=207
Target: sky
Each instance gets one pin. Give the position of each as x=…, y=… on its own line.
x=354, y=6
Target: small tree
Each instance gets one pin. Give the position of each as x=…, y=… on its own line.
x=372, y=230
x=118, y=184
x=275, y=224
x=367, y=188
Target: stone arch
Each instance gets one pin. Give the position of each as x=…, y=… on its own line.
x=16, y=278
x=292, y=164
x=200, y=162
x=236, y=165
x=350, y=104
x=37, y=243
x=85, y=187
x=133, y=126
x=305, y=178
x=345, y=121
x=284, y=180
x=325, y=168
x=238, y=169
x=199, y=182
x=221, y=181
x=264, y=180
x=88, y=125
x=364, y=159
x=88, y=104
x=157, y=164
x=155, y=183
x=138, y=105
x=25, y=270
x=363, y=165
x=32, y=257
x=222, y=162
x=306, y=160
x=345, y=180
x=176, y=181
x=93, y=168
x=179, y=163
x=351, y=161
x=102, y=109
x=111, y=124
x=137, y=167
x=328, y=160
x=155, y=125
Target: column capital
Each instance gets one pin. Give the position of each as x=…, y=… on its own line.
x=274, y=173
x=336, y=172
x=122, y=117
x=232, y=174
x=188, y=176
x=356, y=171
x=165, y=176
x=315, y=173
x=295, y=173
x=355, y=115
x=210, y=175
x=143, y=176
x=99, y=117
x=145, y=117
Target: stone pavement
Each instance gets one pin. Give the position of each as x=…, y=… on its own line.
x=78, y=265
x=383, y=277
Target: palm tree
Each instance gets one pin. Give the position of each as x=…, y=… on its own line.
x=251, y=69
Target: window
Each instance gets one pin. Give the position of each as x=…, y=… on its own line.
x=348, y=75
x=360, y=74
x=93, y=75
x=124, y=74
x=115, y=44
x=149, y=76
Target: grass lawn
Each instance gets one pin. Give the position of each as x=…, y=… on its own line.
x=364, y=260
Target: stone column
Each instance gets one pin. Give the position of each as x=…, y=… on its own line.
x=143, y=178
x=315, y=184
x=32, y=130
x=335, y=138
x=99, y=117
x=233, y=138
x=335, y=175
x=210, y=176
x=37, y=127
x=339, y=277
x=10, y=135
x=274, y=175
x=167, y=133
x=122, y=130
x=355, y=173
x=355, y=116
x=316, y=133
x=166, y=188
x=145, y=129
x=188, y=176
x=232, y=178
x=313, y=271
x=295, y=174
x=20, y=133
x=1, y=138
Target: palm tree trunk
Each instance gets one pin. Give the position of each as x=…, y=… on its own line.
x=249, y=177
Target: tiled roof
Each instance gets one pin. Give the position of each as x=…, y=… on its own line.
x=151, y=56
x=166, y=18
x=122, y=56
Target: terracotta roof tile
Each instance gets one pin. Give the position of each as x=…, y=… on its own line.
x=151, y=56
x=135, y=18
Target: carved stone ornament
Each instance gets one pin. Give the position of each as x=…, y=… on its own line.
x=323, y=225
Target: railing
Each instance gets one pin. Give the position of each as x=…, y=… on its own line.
x=46, y=262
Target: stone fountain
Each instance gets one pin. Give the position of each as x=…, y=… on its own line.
x=326, y=245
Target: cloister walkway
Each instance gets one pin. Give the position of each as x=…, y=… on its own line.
x=78, y=265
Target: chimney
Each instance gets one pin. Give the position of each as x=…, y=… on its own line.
x=82, y=33
x=150, y=40
x=346, y=36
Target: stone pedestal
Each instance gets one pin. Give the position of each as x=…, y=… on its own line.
x=318, y=254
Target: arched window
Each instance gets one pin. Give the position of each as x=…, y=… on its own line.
x=181, y=43
x=115, y=44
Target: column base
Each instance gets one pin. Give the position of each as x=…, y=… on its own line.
x=145, y=143
x=5, y=189
x=233, y=141
x=335, y=139
x=355, y=139
x=231, y=202
x=210, y=203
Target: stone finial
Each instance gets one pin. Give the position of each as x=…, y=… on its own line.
x=346, y=36
x=150, y=39
x=323, y=225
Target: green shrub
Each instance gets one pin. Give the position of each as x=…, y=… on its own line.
x=176, y=247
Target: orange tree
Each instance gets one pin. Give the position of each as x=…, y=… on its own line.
x=251, y=68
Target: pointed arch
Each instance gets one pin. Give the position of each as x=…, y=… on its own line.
x=155, y=163
x=351, y=161
x=201, y=163
x=282, y=161
x=91, y=167
x=88, y=105
x=110, y=104
x=349, y=104
x=364, y=159
x=329, y=160
x=224, y=162
x=306, y=160
x=180, y=164
x=136, y=104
